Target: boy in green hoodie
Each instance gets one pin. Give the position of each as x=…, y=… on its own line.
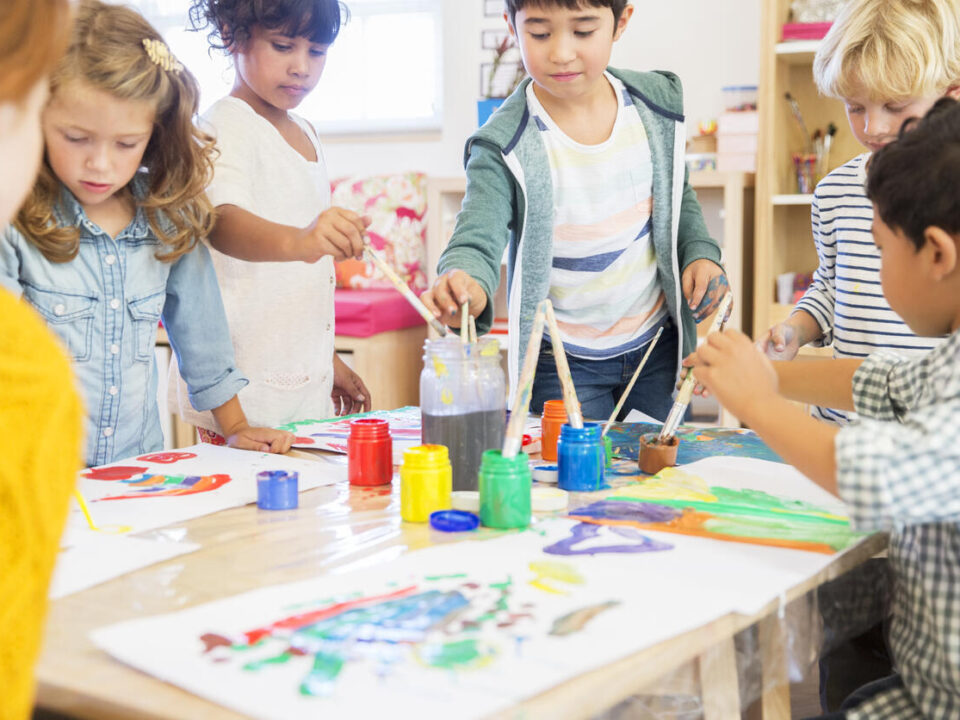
x=580, y=175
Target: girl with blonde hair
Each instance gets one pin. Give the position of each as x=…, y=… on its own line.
x=107, y=242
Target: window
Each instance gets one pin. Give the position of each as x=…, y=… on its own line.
x=383, y=73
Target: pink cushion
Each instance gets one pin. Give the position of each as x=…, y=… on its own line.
x=362, y=313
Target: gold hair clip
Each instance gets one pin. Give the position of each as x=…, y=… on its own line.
x=160, y=54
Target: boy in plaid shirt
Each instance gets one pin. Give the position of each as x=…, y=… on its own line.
x=898, y=466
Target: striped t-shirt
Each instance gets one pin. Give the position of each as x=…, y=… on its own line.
x=603, y=280
x=845, y=297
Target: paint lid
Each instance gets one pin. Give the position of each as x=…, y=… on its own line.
x=554, y=410
x=468, y=500
x=546, y=473
x=277, y=490
x=454, y=521
x=548, y=499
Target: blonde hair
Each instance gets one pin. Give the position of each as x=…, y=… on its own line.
x=107, y=51
x=891, y=49
x=33, y=33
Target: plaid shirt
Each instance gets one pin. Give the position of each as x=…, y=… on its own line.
x=898, y=469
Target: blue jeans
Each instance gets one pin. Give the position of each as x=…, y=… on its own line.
x=859, y=697
x=600, y=383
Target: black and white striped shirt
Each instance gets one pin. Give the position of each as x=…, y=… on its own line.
x=845, y=297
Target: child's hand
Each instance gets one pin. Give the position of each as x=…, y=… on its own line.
x=781, y=342
x=704, y=286
x=336, y=232
x=448, y=294
x=730, y=366
x=261, y=439
x=349, y=394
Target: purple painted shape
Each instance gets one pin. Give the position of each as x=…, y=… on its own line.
x=584, y=531
x=627, y=510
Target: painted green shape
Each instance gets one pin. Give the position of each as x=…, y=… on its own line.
x=836, y=537
x=452, y=655
x=451, y=576
x=323, y=675
x=294, y=426
x=280, y=659
x=505, y=585
x=174, y=479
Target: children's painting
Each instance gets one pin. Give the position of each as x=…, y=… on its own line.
x=158, y=489
x=695, y=443
x=405, y=431
x=469, y=629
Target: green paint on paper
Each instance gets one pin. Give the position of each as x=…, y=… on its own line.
x=320, y=681
x=454, y=655
x=452, y=576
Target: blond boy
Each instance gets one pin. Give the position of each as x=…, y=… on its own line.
x=888, y=60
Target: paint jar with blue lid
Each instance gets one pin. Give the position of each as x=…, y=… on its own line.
x=463, y=402
x=505, y=490
x=580, y=458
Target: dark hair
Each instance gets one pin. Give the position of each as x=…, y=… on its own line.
x=230, y=21
x=617, y=6
x=914, y=183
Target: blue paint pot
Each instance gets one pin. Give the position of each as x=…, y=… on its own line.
x=580, y=458
x=277, y=490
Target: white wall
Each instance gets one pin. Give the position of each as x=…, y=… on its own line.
x=708, y=43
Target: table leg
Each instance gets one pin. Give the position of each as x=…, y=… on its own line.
x=718, y=682
x=775, y=697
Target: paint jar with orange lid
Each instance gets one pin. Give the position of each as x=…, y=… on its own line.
x=553, y=418
x=426, y=482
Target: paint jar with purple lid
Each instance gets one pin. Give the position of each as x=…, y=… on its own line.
x=580, y=458
x=463, y=401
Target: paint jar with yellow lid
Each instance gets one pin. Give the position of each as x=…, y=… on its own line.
x=463, y=401
x=425, y=482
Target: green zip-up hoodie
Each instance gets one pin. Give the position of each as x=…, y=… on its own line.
x=509, y=204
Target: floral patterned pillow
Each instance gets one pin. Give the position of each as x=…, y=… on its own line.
x=397, y=206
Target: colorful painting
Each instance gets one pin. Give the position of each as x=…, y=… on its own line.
x=695, y=443
x=171, y=487
x=462, y=630
x=405, y=431
x=677, y=501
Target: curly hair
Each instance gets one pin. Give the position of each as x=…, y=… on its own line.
x=106, y=51
x=913, y=182
x=229, y=22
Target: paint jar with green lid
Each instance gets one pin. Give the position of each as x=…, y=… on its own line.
x=426, y=482
x=504, y=490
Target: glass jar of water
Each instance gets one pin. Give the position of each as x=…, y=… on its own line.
x=463, y=402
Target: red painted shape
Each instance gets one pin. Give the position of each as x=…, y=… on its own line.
x=303, y=440
x=113, y=472
x=409, y=213
x=166, y=457
x=298, y=621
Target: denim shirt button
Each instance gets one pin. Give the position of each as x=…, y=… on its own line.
x=115, y=348
x=110, y=259
x=107, y=432
x=114, y=303
x=59, y=310
x=113, y=390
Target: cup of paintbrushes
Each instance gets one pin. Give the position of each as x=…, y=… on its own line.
x=805, y=168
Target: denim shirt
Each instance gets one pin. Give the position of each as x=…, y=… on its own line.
x=104, y=305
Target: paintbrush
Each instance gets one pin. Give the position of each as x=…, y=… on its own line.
x=86, y=510
x=473, y=330
x=636, y=374
x=798, y=116
x=827, y=142
x=570, y=402
x=400, y=285
x=672, y=422
x=513, y=439
x=464, y=323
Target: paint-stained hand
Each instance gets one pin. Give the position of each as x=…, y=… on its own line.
x=781, y=342
x=704, y=285
x=730, y=366
x=349, y=394
x=336, y=232
x=261, y=439
x=448, y=294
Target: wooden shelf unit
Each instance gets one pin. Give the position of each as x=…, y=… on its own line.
x=784, y=240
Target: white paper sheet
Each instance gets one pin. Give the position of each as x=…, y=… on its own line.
x=146, y=506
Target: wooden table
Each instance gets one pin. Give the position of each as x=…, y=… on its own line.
x=338, y=526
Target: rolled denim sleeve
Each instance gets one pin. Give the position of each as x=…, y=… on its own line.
x=10, y=260
x=196, y=324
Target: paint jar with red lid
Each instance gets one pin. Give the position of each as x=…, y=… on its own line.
x=369, y=452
